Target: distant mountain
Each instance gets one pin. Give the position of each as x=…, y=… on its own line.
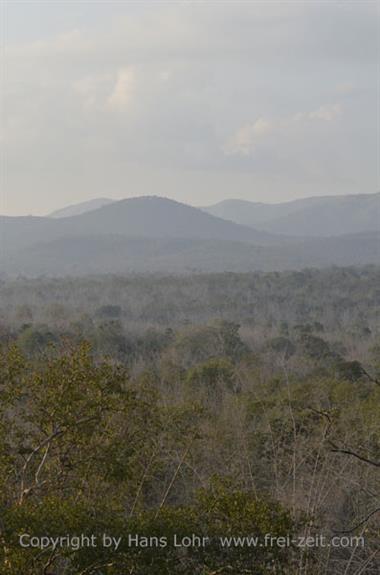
x=81, y=208
x=153, y=234
x=121, y=255
x=313, y=217
x=143, y=217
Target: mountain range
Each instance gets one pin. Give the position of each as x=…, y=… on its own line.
x=321, y=216
x=308, y=217
x=154, y=234
x=142, y=217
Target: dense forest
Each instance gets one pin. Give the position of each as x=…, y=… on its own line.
x=175, y=414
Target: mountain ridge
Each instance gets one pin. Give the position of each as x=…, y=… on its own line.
x=144, y=216
x=315, y=216
x=151, y=233
x=80, y=208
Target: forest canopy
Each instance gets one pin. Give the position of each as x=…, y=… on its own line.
x=212, y=407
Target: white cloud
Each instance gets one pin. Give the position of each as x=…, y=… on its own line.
x=245, y=138
x=123, y=89
x=113, y=91
x=249, y=136
x=326, y=113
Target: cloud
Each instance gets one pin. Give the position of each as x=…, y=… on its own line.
x=249, y=136
x=245, y=138
x=188, y=88
x=123, y=89
x=326, y=113
x=112, y=91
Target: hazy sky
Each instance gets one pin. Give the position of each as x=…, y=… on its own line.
x=197, y=101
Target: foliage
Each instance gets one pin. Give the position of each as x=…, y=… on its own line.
x=217, y=405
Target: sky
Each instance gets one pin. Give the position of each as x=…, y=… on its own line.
x=195, y=101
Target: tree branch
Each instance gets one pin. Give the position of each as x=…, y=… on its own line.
x=361, y=522
x=345, y=451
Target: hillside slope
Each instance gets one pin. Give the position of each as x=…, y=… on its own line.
x=316, y=216
x=81, y=208
x=118, y=254
x=143, y=217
